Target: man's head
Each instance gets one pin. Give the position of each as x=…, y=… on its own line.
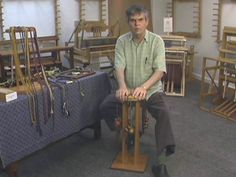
x=137, y=16
x=136, y=10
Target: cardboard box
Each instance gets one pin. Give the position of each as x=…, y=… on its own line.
x=7, y=95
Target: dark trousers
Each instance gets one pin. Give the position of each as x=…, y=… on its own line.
x=155, y=105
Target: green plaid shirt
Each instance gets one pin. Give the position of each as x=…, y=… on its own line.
x=140, y=60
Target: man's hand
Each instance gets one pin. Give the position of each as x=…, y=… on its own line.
x=140, y=93
x=122, y=94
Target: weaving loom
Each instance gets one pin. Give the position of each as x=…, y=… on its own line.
x=220, y=97
x=87, y=48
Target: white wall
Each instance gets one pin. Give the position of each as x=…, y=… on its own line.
x=158, y=12
x=69, y=14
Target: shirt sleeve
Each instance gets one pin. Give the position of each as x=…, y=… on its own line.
x=119, y=55
x=159, y=62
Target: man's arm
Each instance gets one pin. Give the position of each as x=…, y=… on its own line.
x=157, y=75
x=122, y=92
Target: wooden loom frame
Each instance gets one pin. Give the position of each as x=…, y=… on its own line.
x=169, y=87
x=222, y=107
x=225, y=67
x=85, y=55
x=176, y=55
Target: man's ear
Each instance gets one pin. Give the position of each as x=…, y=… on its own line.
x=147, y=20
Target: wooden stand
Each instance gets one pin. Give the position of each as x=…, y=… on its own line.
x=125, y=160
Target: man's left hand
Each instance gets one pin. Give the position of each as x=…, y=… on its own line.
x=140, y=93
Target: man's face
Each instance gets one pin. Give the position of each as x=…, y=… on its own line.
x=138, y=24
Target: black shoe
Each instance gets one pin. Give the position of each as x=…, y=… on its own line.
x=160, y=170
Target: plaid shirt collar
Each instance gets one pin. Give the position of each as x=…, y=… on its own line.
x=145, y=37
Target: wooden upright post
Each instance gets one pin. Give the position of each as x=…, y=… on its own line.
x=125, y=160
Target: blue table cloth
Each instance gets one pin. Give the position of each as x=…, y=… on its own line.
x=18, y=138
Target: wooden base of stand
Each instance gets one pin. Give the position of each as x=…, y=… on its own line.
x=129, y=163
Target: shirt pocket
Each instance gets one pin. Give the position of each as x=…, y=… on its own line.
x=147, y=69
x=147, y=63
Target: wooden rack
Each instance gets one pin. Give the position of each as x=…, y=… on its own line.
x=176, y=59
x=220, y=97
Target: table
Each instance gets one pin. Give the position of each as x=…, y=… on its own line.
x=18, y=138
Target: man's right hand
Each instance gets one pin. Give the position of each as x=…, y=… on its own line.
x=122, y=94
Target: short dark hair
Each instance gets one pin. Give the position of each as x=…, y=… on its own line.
x=136, y=9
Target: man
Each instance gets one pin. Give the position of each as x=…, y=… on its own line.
x=140, y=65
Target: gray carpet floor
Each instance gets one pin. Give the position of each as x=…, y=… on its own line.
x=206, y=147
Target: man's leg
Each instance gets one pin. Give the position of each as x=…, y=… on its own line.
x=163, y=133
x=110, y=110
